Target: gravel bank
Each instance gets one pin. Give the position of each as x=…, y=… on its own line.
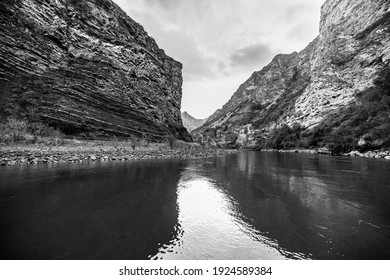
x=33, y=155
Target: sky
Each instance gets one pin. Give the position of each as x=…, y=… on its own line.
x=222, y=42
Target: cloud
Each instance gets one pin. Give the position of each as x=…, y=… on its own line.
x=301, y=26
x=221, y=66
x=293, y=13
x=197, y=64
x=298, y=32
x=179, y=10
x=167, y=4
x=222, y=69
x=252, y=55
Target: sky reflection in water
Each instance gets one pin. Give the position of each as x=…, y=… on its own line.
x=210, y=225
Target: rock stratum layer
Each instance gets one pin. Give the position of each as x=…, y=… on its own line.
x=86, y=68
x=348, y=57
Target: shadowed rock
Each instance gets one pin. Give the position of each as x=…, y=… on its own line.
x=87, y=68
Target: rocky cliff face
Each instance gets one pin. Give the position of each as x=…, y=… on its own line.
x=305, y=88
x=190, y=123
x=87, y=68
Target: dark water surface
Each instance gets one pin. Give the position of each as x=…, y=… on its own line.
x=251, y=205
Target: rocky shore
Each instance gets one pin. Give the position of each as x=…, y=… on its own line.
x=379, y=154
x=371, y=154
x=31, y=155
x=85, y=152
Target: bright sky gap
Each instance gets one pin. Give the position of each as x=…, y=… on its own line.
x=222, y=42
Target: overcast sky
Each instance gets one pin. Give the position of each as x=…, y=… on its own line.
x=222, y=42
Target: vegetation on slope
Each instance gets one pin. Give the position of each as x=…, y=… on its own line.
x=362, y=125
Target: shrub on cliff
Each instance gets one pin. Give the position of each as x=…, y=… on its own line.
x=284, y=137
x=20, y=131
x=14, y=131
x=171, y=141
x=43, y=130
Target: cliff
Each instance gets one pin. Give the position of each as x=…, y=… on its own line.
x=190, y=123
x=86, y=68
x=303, y=92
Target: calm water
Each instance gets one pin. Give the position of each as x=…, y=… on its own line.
x=250, y=205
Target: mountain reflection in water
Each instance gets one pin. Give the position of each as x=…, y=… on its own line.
x=250, y=205
x=111, y=210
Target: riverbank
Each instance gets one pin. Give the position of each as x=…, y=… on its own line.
x=82, y=151
x=379, y=154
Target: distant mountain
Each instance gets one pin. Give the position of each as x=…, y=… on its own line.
x=190, y=122
x=334, y=93
x=86, y=68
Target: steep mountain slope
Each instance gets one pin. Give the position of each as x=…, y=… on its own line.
x=190, y=123
x=303, y=90
x=87, y=68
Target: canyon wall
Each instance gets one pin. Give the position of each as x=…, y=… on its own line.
x=86, y=68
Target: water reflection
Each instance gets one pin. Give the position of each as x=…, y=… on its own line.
x=88, y=211
x=210, y=225
x=318, y=206
x=267, y=205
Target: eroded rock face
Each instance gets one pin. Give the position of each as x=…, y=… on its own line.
x=86, y=68
x=354, y=46
x=304, y=88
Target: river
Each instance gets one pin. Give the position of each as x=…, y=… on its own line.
x=249, y=205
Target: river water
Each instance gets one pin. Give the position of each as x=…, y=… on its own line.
x=249, y=205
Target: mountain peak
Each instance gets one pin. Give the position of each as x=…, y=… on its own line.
x=191, y=123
